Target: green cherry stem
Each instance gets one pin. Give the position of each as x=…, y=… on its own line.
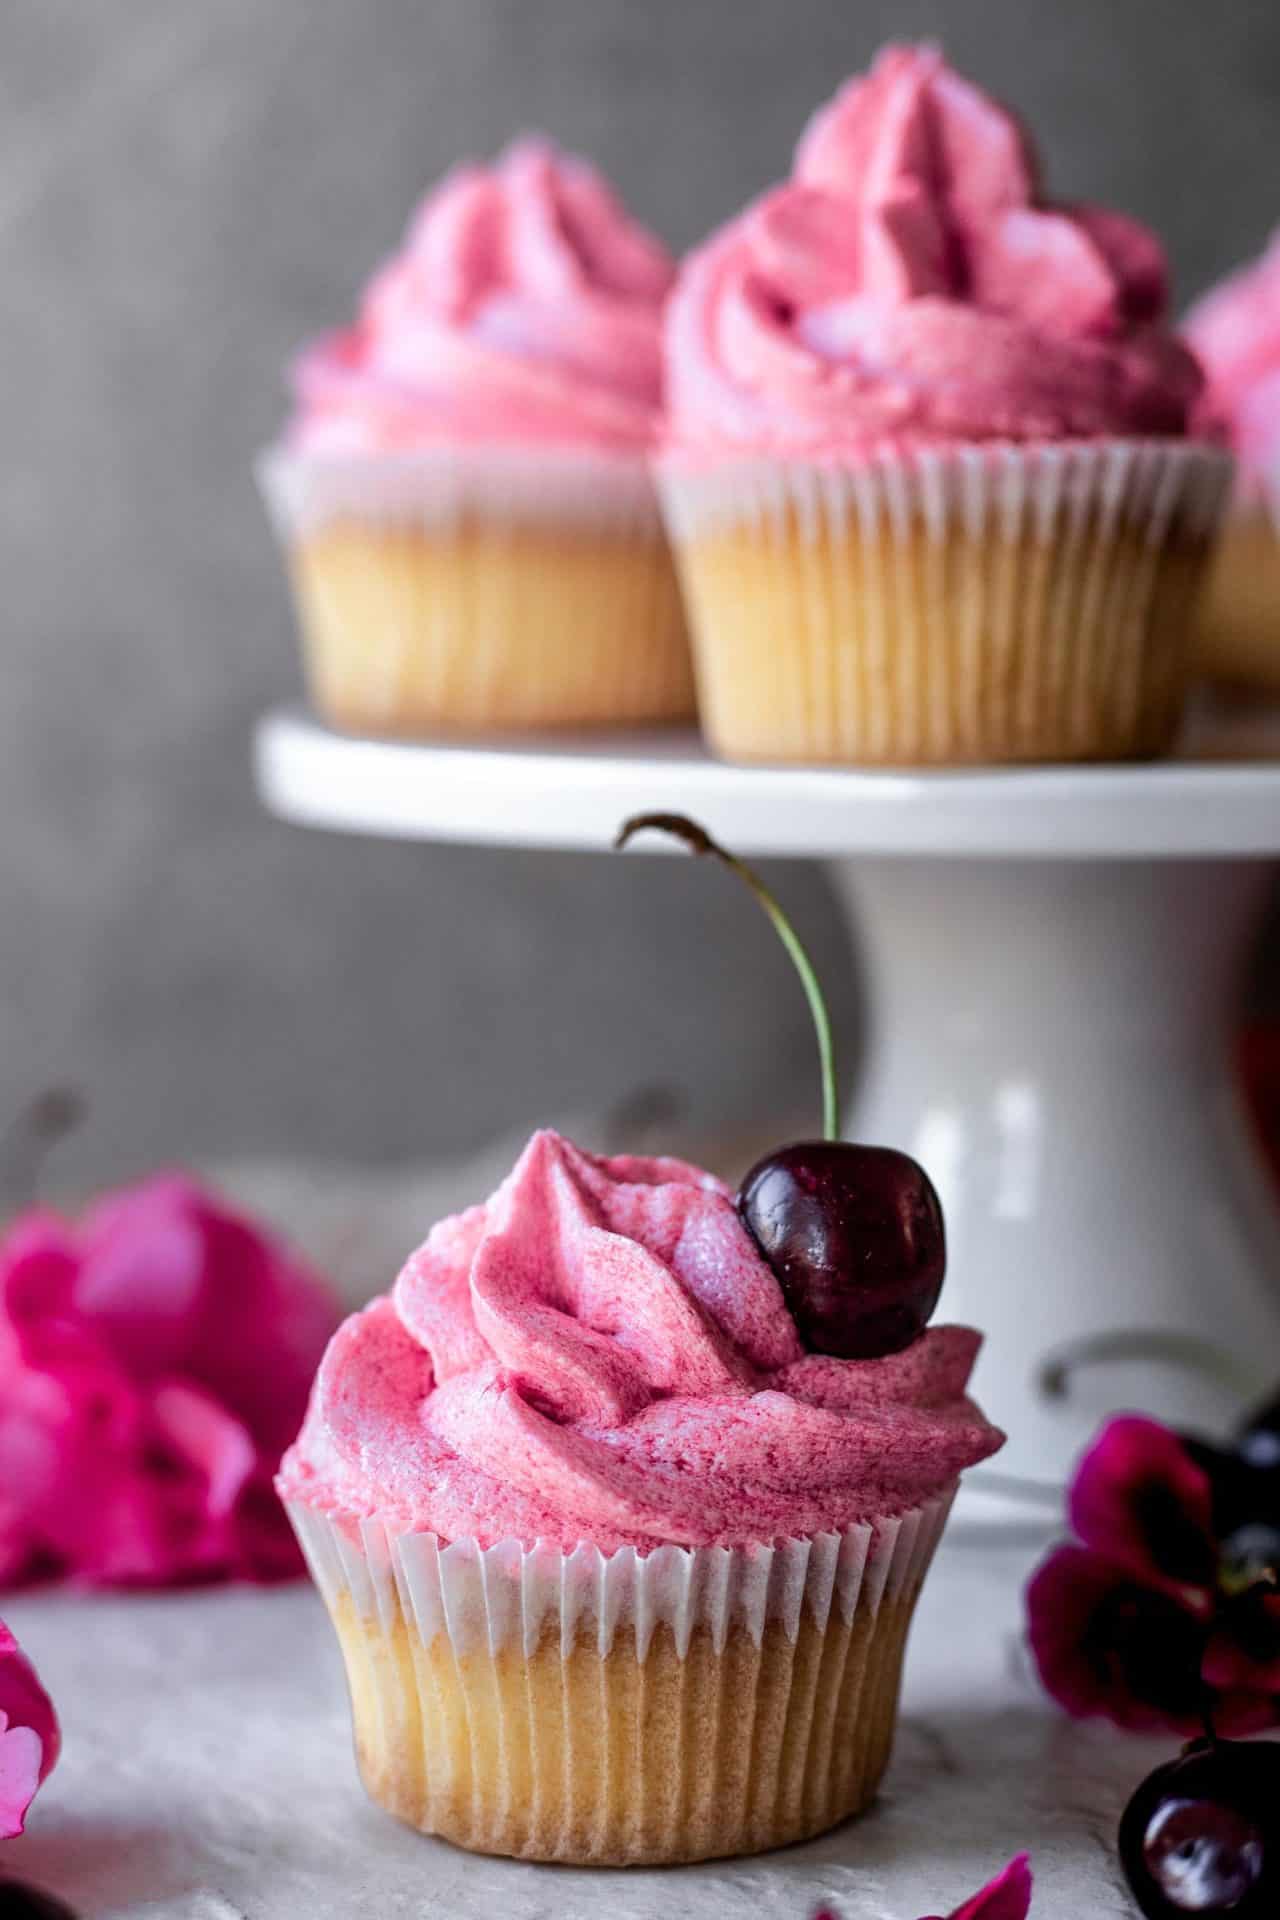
x=699, y=841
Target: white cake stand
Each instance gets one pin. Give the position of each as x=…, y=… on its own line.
x=1050, y=956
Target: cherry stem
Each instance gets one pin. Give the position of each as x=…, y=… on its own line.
x=699, y=841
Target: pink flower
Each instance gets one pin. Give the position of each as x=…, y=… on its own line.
x=1007, y=1897
x=1139, y=1498
x=1141, y=1623
x=155, y=1359
x=29, y=1737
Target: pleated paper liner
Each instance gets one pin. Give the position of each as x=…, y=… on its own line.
x=968, y=605
x=1237, y=628
x=622, y=1709
x=477, y=591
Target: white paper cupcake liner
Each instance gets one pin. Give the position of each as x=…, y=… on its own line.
x=510, y=1595
x=946, y=605
x=438, y=488
x=1004, y=488
x=473, y=591
x=622, y=1708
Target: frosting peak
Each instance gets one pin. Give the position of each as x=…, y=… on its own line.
x=600, y=1353
x=1235, y=330
x=910, y=280
x=524, y=304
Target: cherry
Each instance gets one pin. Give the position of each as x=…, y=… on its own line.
x=1258, y=1438
x=855, y=1237
x=19, y=1901
x=854, y=1234
x=1202, y=1834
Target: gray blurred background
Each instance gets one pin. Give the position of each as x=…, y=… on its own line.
x=185, y=193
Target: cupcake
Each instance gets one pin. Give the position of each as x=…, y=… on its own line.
x=1235, y=330
x=621, y=1563
x=464, y=493
x=929, y=472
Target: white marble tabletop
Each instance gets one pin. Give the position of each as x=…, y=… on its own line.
x=208, y=1776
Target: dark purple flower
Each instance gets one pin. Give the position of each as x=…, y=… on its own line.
x=1138, y=1498
x=1105, y=1643
x=1157, y=1621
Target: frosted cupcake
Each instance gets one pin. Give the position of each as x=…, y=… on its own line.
x=1235, y=330
x=929, y=474
x=622, y=1569
x=464, y=493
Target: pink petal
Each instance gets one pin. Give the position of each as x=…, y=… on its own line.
x=153, y=1365
x=1106, y=1644
x=37, y=1268
x=214, y=1443
x=267, y=1549
x=21, y=1754
x=1139, y=1498
x=267, y=1322
x=142, y=1277
x=29, y=1736
x=1007, y=1897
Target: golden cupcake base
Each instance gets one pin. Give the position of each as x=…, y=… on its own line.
x=604, y=1759
x=920, y=651
x=962, y=606
x=484, y=628
x=1237, y=631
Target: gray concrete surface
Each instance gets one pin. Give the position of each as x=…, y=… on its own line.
x=186, y=191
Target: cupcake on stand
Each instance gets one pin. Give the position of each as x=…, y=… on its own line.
x=463, y=494
x=930, y=473
x=1235, y=330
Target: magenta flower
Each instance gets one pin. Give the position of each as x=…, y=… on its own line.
x=1145, y=1622
x=29, y=1737
x=1007, y=1897
x=155, y=1359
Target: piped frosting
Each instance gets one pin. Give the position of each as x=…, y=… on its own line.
x=1235, y=330
x=910, y=282
x=523, y=307
x=600, y=1354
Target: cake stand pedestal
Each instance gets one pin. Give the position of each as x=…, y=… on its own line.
x=1050, y=956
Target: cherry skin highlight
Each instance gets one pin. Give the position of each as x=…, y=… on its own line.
x=855, y=1237
x=1202, y=1834
x=1258, y=1440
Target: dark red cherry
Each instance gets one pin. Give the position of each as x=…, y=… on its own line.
x=1258, y=1438
x=855, y=1237
x=19, y=1901
x=1202, y=1835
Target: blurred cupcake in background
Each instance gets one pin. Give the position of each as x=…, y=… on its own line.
x=464, y=492
x=929, y=474
x=1235, y=330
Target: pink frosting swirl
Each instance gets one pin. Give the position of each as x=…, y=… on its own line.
x=910, y=283
x=525, y=305
x=599, y=1353
x=1235, y=330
